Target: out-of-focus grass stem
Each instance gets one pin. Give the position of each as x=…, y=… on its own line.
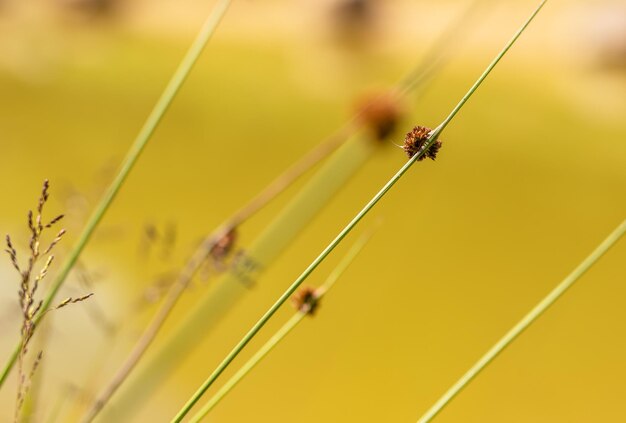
x=344, y=232
x=129, y=162
x=132, y=156
x=526, y=321
x=281, y=333
x=195, y=262
x=418, y=76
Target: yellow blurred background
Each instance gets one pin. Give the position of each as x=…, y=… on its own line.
x=530, y=179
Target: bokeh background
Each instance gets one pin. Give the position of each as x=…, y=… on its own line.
x=530, y=179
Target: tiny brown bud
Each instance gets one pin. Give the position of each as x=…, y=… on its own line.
x=415, y=141
x=306, y=300
x=379, y=114
x=224, y=245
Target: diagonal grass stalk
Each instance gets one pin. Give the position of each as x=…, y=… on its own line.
x=281, y=333
x=34, y=394
x=344, y=232
x=417, y=77
x=234, y=284
x=203, y=252
x=131, y=158
x=526, y=321
x=199, y=257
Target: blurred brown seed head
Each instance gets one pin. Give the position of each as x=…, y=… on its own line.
x=415, y=140
x=306, y=300
x=224, y=245
x=379, y=114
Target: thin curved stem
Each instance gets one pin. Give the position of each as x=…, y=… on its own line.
x=526, y=321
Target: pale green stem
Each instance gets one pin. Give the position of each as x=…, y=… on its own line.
x=343, y=265
x=345, y=231
x=283, y=331
x=255, y=329
x=244, y=271
x=131, y=158
x=419, y=75
x=526, y=321
x=249, y=365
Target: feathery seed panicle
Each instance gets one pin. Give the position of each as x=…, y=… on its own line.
x=29, y=284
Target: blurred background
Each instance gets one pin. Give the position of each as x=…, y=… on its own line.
x=530, y=179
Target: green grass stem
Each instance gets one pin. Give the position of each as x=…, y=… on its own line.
x=131, y=158
x=418, y=76
x=281, y=333
x=234, y=284
x=199, y=258
x=526, y=321
x=249, y=365
x=345, y=231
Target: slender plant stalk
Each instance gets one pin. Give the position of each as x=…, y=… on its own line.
x=151, y=331
x=249, y=365
x=284, y=330
x=132, y=156
x=413, y=79
x=233, y=284
x=292, y=174
x=265, y=318
x=418, y=76
x=202, y=253
x=33, y=396
x=526, y=321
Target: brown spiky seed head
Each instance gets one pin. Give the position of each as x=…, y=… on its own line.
x=306, y=300
x=416, y=139
x=379, y=113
